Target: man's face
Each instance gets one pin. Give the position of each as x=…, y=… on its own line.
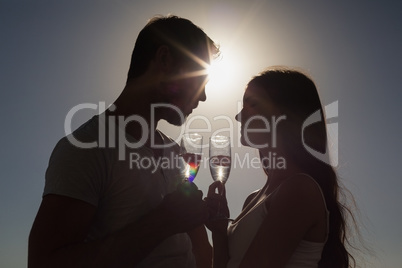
x=185, y=90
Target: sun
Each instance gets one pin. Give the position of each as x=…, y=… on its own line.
x=223, y=71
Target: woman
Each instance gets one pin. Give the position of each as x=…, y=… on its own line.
x=296, y=219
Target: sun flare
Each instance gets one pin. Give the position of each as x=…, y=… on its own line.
x=222, y=72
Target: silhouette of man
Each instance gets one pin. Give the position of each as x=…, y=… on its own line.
x=113, y=195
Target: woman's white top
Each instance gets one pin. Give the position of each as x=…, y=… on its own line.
x=242, y=232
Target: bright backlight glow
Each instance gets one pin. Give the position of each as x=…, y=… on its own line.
x=223, y=71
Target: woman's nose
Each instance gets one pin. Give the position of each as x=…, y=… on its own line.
x=238, y=116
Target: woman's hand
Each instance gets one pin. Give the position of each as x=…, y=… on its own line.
x=217, y=207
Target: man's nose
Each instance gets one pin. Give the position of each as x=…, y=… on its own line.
x=202, y=96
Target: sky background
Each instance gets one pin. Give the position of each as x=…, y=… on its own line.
x=55, y=55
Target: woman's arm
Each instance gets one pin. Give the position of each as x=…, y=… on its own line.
x=220, y=239
x=217, y=204
x=220, y=249
x=201, y=247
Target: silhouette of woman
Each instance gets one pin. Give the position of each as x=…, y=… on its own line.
x=296, y=219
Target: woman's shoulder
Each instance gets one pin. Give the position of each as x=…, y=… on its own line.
x=300, y=182
x=250, y=197
x=300, y=189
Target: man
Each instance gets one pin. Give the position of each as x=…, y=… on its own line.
x=104, y=204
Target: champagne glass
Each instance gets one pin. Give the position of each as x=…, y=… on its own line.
x=220, y=163
x=220, y=158
x=190, y=153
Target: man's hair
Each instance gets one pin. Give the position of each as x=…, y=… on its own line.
x=185, y=40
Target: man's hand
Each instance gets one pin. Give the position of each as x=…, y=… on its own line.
x=185, y=207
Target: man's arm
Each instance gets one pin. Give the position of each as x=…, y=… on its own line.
x=58, y=233
x=62, y=223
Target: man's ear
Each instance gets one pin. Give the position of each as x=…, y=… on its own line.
x=164, y=58
x=165, y=63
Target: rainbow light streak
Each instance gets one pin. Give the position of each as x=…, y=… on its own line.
x=191, y=171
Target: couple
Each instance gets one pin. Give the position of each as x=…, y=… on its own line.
x=98, y=211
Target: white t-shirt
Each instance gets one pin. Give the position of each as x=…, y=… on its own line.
x=122, y=190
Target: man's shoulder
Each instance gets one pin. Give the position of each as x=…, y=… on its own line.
x=87, y=133
x=80, y=140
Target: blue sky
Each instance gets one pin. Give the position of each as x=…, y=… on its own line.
x=58, y=54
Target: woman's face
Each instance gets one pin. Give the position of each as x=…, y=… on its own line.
x=259, y=119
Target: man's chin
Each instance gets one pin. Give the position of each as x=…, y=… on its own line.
x=176, y=120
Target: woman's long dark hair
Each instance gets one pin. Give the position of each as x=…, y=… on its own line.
x=296, y=96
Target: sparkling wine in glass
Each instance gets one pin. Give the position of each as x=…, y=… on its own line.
x=219, y=164
x=220, y=158
x=191, y=154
